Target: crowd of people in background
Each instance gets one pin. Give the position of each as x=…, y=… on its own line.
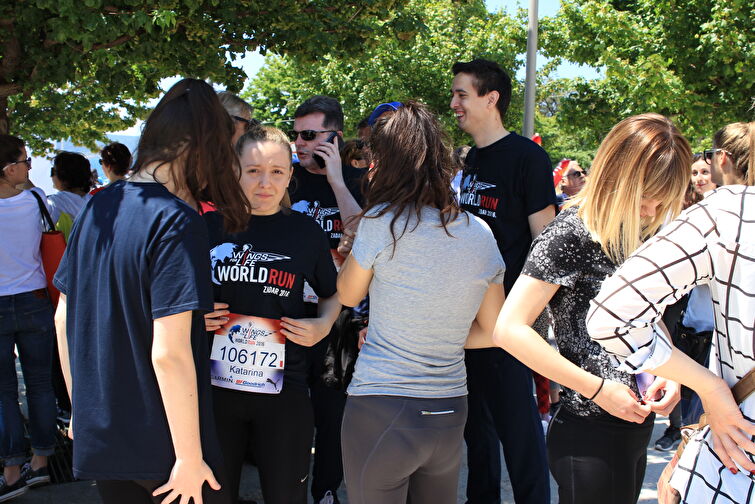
x=236, y=293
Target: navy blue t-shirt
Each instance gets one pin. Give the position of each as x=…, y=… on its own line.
x=136, y=253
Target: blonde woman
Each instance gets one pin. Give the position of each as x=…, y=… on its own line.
x=639, y=176
x=712, y=243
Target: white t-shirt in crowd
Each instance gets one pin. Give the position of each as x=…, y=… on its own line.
x=21, y=231
x=66, y=202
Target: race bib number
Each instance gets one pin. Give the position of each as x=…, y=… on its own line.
x=249, y=354
x=309, y=292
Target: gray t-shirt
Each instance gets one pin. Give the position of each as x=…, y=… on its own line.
x=423, y=299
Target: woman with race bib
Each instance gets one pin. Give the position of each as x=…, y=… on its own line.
x=258, y=353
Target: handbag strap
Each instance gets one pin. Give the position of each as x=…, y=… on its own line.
x=744, y=387
x=43, y=210
x=741, y=391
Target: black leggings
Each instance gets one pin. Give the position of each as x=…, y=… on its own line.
x=140, y=492
x=279, y=427
x=597, y=460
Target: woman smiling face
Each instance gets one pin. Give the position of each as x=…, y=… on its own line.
x=265, y=174
x=701, y=177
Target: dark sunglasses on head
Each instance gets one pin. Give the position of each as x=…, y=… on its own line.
x=249, y=122
x=307, y=135
x=709, y=153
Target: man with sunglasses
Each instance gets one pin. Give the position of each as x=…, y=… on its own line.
x=328, y=193
x=331, y=195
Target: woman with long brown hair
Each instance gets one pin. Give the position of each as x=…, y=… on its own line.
x=432, y=272
x=135, y=283
x=597, y=441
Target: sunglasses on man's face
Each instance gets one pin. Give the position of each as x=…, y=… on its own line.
x=575, y=175
x=709, y=153
x=307, y=135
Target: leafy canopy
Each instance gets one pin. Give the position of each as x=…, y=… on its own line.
x=78, y=69
x=416, y=66
x=693, y=61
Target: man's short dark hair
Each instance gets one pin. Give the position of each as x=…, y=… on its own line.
x=325, y=104
x=488, y=76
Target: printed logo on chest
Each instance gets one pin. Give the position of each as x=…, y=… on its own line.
x=231, y=262
x=470, y=187
x=329, y=218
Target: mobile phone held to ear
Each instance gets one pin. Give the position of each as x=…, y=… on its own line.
x=318, y=159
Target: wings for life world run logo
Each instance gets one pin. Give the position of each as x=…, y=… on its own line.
x=470, y=186
x=231, y=262
x=321, y=215
x=248, y=333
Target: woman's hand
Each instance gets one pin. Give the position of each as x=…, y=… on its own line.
x=305, y=332
x=619, y=400
x=662, y=396
x=362, y=337
x=216, y=319
x=730, y=431
x=186, y=480
x=347, y=241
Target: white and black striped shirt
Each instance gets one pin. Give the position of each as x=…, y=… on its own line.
x=712, y=242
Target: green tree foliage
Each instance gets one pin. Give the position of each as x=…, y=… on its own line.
x=691, y=60
x=414, y=66
x=77, y=69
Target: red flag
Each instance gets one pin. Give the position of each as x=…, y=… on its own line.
x=558, y=171
x=537, y=139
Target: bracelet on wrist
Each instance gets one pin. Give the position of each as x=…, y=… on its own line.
x=600, y=387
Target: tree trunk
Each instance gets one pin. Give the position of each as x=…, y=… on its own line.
x=4, y=120
x=8, y=65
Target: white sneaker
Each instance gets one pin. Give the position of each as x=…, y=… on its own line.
x=327, y=498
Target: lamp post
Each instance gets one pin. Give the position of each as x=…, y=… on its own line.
x=528, y=127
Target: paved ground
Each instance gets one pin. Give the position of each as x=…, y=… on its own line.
x=85, y=493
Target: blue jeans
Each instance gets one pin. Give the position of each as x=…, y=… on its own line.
x=26, y=321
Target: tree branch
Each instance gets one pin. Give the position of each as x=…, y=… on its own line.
x=9, y=90
x=96, y=47
x=119, y=41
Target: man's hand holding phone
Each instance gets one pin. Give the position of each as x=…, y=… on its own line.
x=327, y=156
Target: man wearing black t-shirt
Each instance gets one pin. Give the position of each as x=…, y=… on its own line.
x=330, y=195
x=508, y=182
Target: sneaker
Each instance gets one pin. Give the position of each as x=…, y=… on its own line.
x=7, y=492
x=327, y=498
x=34, y=478
x=669, y=440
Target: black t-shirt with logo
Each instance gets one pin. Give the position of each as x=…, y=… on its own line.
x=261, y=272
x=503, y=184
x=312, y=195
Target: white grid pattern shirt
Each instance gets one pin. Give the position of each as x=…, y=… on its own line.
x=711, y=243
